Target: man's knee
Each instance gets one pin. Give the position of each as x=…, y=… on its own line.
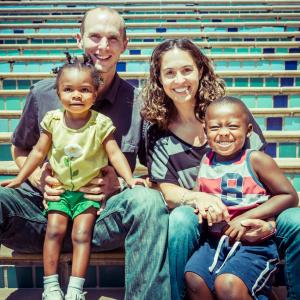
x=145, y=200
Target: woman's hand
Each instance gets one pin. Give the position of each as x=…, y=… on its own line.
x=101, y=188
x=211, y=208
x=257, y=229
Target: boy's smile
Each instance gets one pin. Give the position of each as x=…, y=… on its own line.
x=227, y=128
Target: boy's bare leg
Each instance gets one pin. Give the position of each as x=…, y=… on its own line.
x=229, y=286
x=197, y=288
x=55, y=233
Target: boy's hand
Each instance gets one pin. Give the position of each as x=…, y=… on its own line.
x=235, y=230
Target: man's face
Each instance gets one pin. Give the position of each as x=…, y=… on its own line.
x=103, y=39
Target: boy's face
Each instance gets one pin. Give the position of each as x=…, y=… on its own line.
x=227, y=128
x=76, y=91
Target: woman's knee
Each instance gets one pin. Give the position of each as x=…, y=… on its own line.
x=230, y=287
x=288, y=222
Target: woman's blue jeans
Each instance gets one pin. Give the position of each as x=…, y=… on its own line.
x=136, y=219
x=288, y=242
x=184, y=234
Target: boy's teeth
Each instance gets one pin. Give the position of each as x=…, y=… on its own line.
x=224, y=143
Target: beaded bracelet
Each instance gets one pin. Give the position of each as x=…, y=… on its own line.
x=273, y=231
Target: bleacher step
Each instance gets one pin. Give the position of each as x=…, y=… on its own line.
x=35, y=294
x=289, y=165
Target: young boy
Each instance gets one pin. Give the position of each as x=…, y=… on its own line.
x=251, y=185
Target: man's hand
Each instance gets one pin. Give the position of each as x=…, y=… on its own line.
x=47, y=185
x=101, y=188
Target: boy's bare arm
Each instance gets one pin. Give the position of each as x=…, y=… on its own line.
x=282, y=193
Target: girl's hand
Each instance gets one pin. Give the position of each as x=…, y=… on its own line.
x=211, y=208
x=10, y=183
x=137, y=181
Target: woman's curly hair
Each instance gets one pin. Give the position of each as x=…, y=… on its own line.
x=158, y=108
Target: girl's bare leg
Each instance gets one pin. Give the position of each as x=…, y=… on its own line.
x=55, y=233
x=81, y=238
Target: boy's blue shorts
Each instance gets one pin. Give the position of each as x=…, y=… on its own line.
x=253, y=264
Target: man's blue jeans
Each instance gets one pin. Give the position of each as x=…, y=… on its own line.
x=288, y=242
x=184, y=234
x=136, y=218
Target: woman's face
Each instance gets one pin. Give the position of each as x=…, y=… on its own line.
x=179, y=76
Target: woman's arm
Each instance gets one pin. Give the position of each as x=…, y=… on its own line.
x=175, y=196
x=257, y=230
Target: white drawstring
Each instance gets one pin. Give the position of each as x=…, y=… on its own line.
x=222, y=240
x=231, y=252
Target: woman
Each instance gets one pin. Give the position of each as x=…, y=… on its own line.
x=182, y=83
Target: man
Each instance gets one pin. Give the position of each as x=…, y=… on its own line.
x=135, y=218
